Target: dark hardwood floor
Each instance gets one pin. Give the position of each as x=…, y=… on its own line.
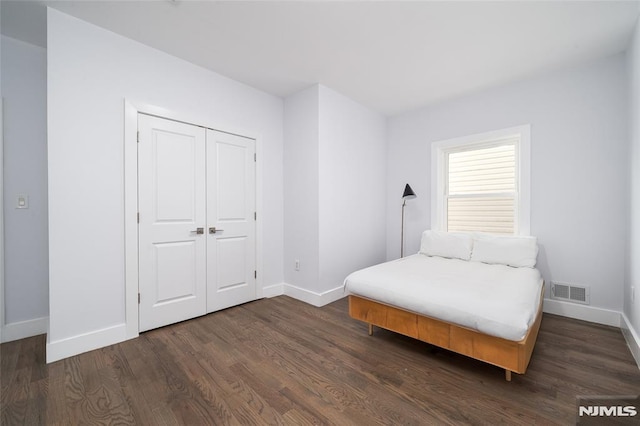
x=280, y=361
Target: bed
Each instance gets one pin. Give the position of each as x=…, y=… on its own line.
x=476, y=295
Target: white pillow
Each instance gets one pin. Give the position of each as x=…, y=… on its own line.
x=445, y=244
x=510, y=251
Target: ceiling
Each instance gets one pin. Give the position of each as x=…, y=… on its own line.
x=391, y=56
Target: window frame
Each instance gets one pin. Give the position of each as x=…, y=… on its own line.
x=439, y=151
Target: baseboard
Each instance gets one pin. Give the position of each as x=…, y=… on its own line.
x=24, y=329
x=313, y=298
x=76, y=345
x=582, y=312
x=631, y=336
x=273, y=290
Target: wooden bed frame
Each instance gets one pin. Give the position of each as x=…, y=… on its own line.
x=507, y=354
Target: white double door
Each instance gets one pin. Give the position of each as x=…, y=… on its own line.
x=196, y=203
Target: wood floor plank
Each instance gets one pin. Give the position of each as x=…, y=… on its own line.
x=282, y=362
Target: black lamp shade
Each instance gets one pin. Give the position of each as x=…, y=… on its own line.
x=408, y=193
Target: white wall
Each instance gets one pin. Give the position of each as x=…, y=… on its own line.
x=335, y=173
x=579, y=153
x=632, y=307
x=26, y=273
x=301, y=186
x=352, y=188
x=90, y=72
x=2, y=319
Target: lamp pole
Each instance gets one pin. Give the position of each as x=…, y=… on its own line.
x=404, y=202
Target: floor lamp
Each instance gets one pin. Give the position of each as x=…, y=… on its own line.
x=408, y=194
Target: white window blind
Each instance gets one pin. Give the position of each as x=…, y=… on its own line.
x=481, y=188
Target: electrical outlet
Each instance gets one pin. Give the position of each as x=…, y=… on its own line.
x=297, y=265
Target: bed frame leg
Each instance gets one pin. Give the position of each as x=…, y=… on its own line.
x=370, y=329
x=507, y=375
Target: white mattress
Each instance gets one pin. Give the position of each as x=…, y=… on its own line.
x=497, y=300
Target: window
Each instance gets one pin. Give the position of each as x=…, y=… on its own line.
x=481, y=183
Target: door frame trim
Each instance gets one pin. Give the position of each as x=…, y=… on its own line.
x=131, y=111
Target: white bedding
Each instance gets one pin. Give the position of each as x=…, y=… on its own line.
x=497, y=300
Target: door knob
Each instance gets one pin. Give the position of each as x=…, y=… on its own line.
x=213, y=230
x=198, y=231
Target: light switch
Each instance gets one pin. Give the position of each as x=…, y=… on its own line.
x=23, y=202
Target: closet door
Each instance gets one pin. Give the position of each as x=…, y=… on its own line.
x=231, y=194
x=172, y=235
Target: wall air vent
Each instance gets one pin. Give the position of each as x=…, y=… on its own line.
x=569, y=292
